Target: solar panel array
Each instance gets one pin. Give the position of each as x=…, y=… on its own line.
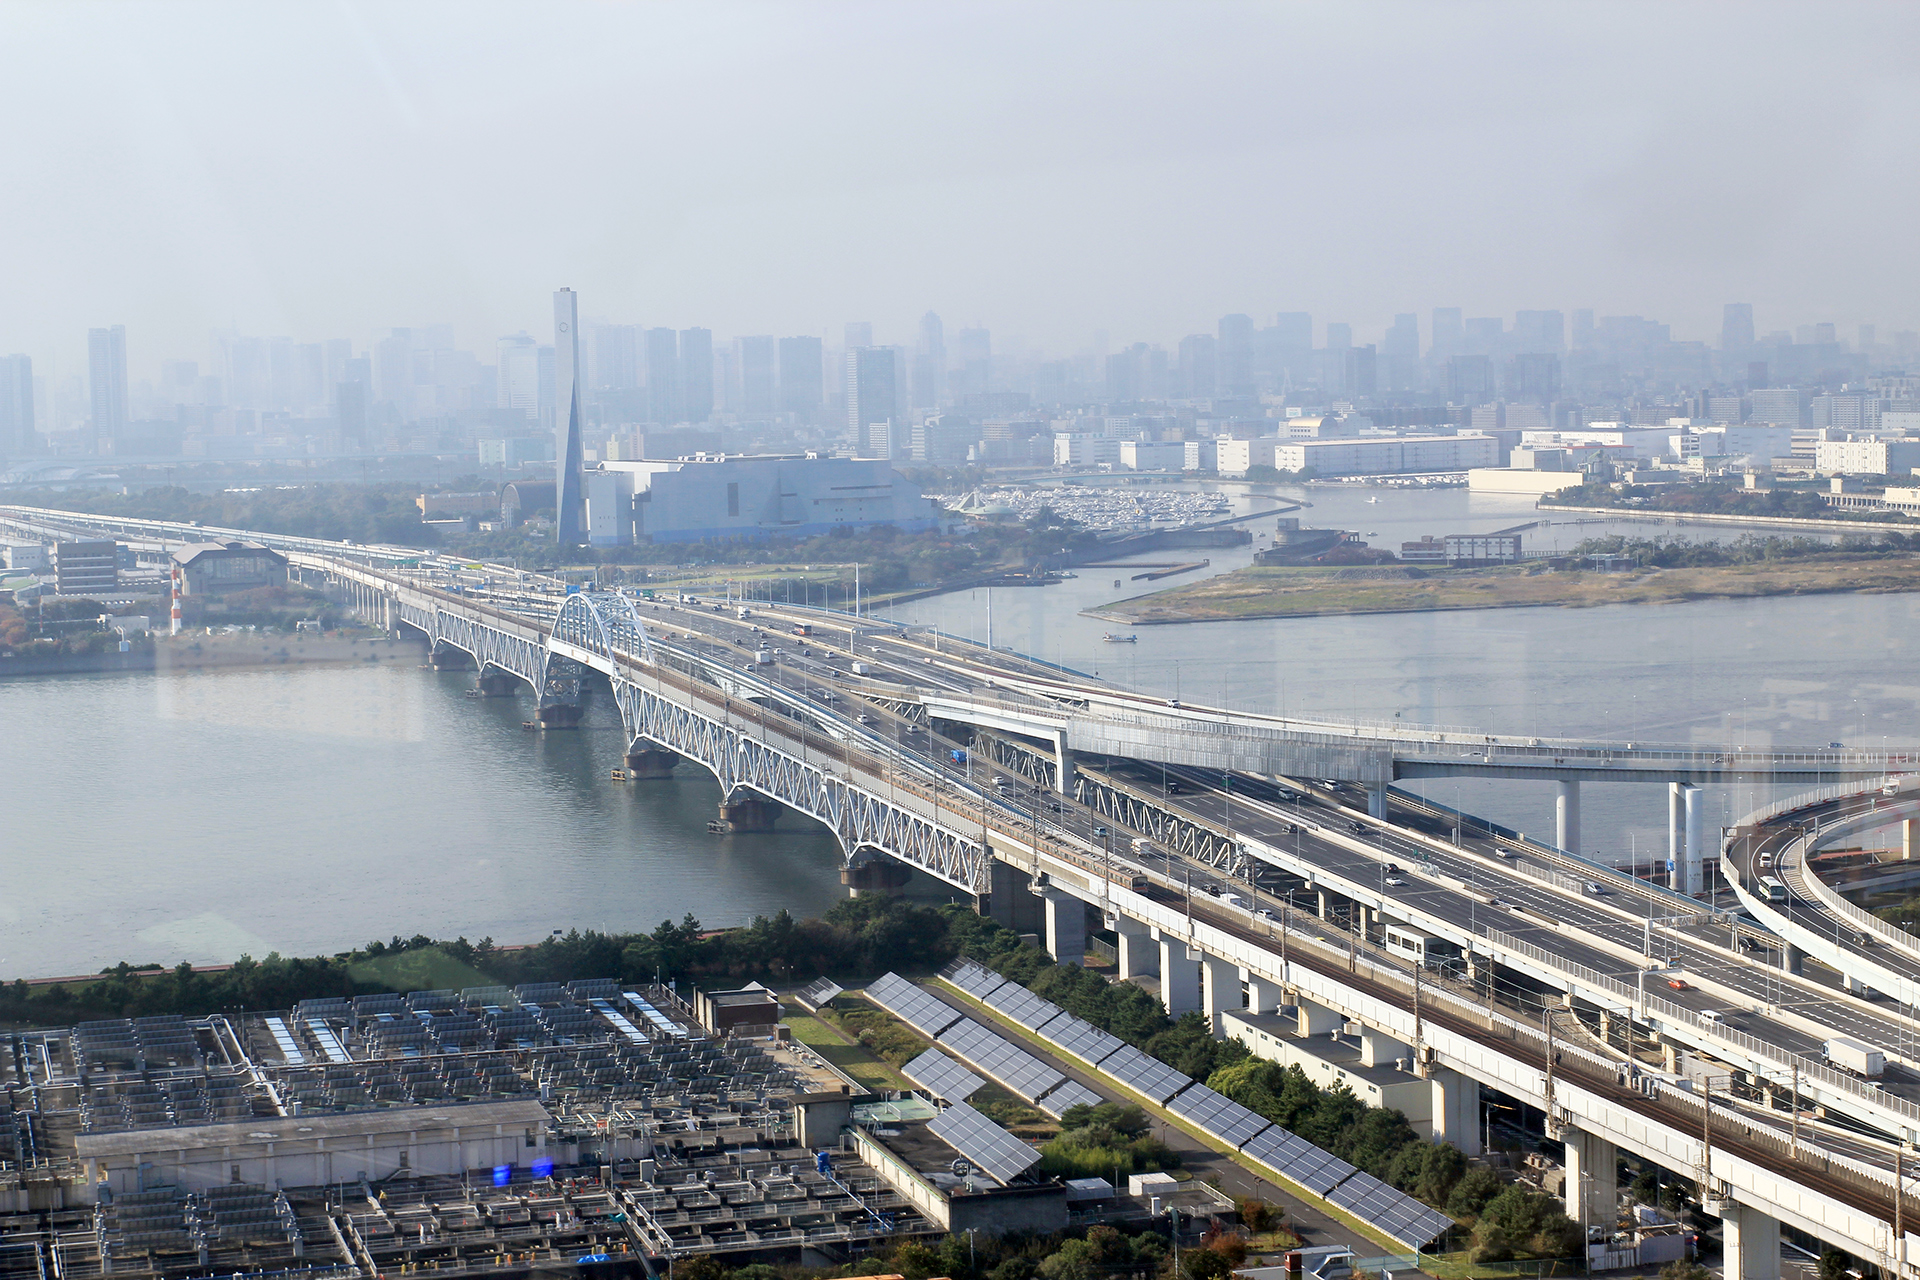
x=1067, y=1095
x=1144, y=1074
x=983, y=1142
x=1218, y=1114
x=819, y=992
x=941, y=1076
x=923, y=1012
x=1023, y=1074
x=973, y=978
x=1299, y=1161
x=1394, y=1212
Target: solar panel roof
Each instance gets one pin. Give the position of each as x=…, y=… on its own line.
x=973, y=978
x=941, y=1076
x=1020, y=1004
x=1218, y=1114
x=983, y=1142
x=1145, y=1075
x=1021, y=1072
x=1081, y=1039
x=818, y=992
x=919, y=1010
x=1393, y=1211
x=1066, y=1095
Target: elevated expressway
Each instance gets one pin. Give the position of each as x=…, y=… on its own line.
x=1551, y=1007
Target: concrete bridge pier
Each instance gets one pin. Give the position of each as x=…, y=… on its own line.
x=1566, y=815
x=492, y=682
x=875, y=877
x=1012, y=902
x=444, y=657
x=1377, y=1049
x=560, y=715
x=646, y=762
x=748, y=813
x=1686, y=838
x=1455, y=1109
x=1377, y=799
x=1066, y=918
x=1179, y=976
x=1264, y=996
x=1793, y=959
x=1593, y=1179
x=1750, y=1243
x=1222, y=991
x=1062, y=765
x=1139, y=954
x=1318, y=1020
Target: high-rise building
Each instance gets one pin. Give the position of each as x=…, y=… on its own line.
x=350, y=412
x=1199, y=366
x=1469, y=379
x=759, y=375
x=857, y=334
x=516, y=378
x=663, y=376
x=1736, y=327
x=873, y=400
x=1449, y=333
x=570, y=516
x=802, y=376
x=1235, y=356
x=17, y=435
x=973, y=363
x=1533, y=377
x=929, y=363
x=616, y=357
x=1361, y=371
x=696, y=374
x=1540, y=332
x=1402, y=341
x=107, y=383
x=1485, y=335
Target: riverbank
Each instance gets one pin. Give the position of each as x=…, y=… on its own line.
x=202, y=652
x=1315, y=592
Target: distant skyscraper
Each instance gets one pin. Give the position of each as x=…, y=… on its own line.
x=1736, y=327
x=663, y=376
x=350, y=412
x=1540, y=332
x=1533, y=377
x=696, y=374
x=1235, y=354
x=616, y=357
x=16, y=407
x=570, y=516
x=759, y=375
x=1448, y=333
x=107, y=381
x=930, y=363
x=1199, y=366
x=516, y=379
x=802, y=376
x=1400, y=352
x=873, y=395
x=858, y=333
x=1486, y=335
x=973, y=352
x=1362, y=377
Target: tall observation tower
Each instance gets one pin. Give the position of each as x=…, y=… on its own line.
x=570, y=523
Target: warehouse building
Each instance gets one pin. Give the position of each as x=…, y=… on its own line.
x=216, y=568
x=734, y=496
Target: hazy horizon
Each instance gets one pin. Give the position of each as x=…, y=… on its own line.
x=1047, y=171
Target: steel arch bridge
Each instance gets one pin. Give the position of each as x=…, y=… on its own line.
x=668, y=699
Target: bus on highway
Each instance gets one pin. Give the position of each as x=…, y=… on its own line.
x=1775, y=891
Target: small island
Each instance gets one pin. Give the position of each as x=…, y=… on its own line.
x=1600, y=572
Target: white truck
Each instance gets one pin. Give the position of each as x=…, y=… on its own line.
x=1852, y=1056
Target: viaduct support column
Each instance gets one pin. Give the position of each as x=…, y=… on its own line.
x=1593, y=1179
x=1062, y=765
x=1696, y=844
x=1264, y=995
x=1139, y=955
x=1377, y=799
x=749, y=813
x=1676, y=835
x=1317, y=1019
x=1179, y=977
x=1014, y=904
x=1066, y=919
x=1223, y=990
x=647, y=762
x=1455, y=1109
x=1750, y=1242
x=1566, y=816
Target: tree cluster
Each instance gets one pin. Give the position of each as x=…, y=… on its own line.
x=1677, y=553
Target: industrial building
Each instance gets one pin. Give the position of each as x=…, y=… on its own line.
x=86, y=568
x=1383, y=455
x=734, y=496
x=216, y=568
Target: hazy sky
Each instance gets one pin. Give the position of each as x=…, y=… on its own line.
x=1048, y=169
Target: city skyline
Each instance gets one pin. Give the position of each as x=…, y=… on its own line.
x=211, y=168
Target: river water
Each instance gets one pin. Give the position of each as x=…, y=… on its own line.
x=195, y=817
